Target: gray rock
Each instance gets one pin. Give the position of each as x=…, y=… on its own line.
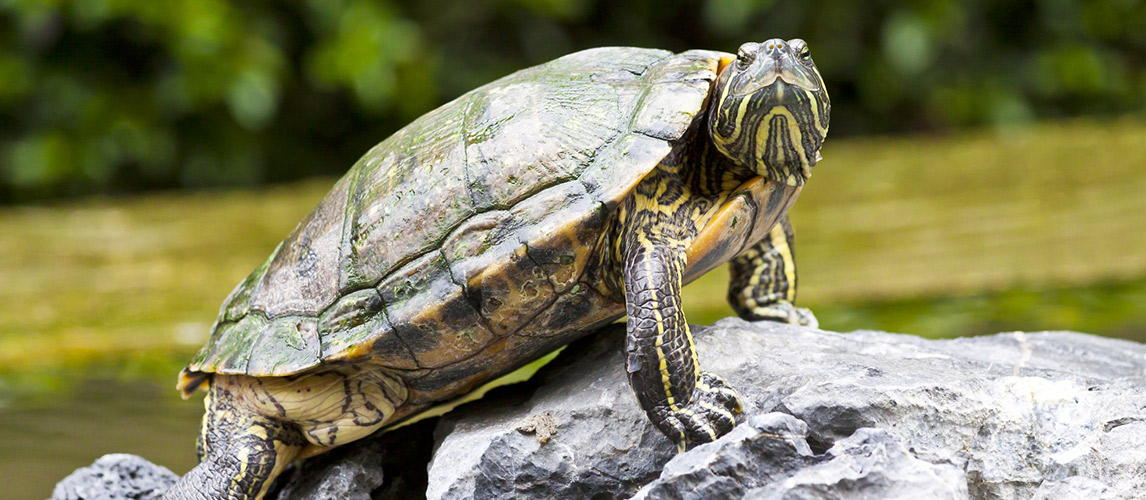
x=768, y=458
x=116, y=477
x=1011, y=411
x=1008, y=416
x=384, y=466
x=871, y=464
x=349, y=474
x=766, y=449
x=600, y=444
x=1073, y=488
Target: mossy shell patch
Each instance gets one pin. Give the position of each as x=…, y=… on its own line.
x=467, y=223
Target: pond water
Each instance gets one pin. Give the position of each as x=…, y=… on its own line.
x=43, y=439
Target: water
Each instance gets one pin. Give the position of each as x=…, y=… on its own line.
x=45, y=437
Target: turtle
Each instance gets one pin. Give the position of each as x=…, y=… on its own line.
x=510, y=221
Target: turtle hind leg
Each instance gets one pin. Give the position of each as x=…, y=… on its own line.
x=763, y=285
x=254, y=426
x=240, y=451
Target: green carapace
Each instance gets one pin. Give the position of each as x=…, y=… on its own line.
x=507, y=223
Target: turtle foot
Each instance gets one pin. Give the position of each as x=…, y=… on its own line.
x=784, y=312
x=709, y=414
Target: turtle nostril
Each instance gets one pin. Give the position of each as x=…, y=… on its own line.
x=773, y=46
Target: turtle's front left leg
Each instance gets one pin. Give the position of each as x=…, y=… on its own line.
x=687, y=404
x=763, y=285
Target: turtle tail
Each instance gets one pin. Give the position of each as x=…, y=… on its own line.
x=240, y=452
x=190, y=381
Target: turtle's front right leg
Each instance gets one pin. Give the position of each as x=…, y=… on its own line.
x=690, y=406
x=763, y=285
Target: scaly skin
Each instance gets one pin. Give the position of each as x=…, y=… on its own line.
x=240, y=451
x=255, y=426
x=652, y=232
x=774, y=130
x=763, y=285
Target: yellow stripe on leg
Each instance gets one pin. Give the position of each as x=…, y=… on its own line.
x=780, y=245
x=659, y=342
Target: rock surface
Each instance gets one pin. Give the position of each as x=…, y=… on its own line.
x=116, y=477
x=602, y=444
x=766, y=449
x=1014, y=414
x=769, y=458
x=848, y=416
x=870, y=464
x=390, y=465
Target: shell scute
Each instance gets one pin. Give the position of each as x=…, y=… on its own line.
x=473, y=222
x=669, y=106
x=226, y=351
x=514, y=262
x=426, y=307
x=353, y=320
x=563, y=229
x=499, y=279
x=616, y=172
x=503, y=172
x=413, y=185
x=293, y=340
x=303, y=277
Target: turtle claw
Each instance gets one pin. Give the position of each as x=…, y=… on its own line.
x=709, y=414
x=784, y=312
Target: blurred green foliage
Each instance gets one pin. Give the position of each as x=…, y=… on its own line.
x=122, y=95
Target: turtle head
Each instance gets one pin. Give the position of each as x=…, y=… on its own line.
x=771, y=109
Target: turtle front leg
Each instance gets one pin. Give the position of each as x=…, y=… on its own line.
x=688, y=405
x=763, y=285
x=240, y=452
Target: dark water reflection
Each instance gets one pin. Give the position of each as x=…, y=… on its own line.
x=42, y=440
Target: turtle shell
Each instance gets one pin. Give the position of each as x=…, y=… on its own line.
x=467, y=223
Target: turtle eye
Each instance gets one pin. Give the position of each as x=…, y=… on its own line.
x=742, y=60
x=744, y=55
x=801, y=49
